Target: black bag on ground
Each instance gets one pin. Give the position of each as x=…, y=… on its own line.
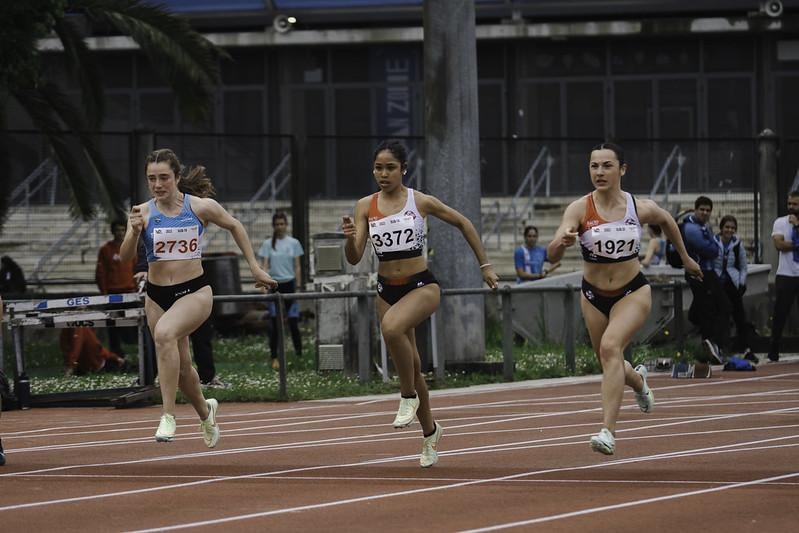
x=672, y=256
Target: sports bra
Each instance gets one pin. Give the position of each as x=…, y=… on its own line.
x=610, y=242
x=175, y=238
x=398, y=236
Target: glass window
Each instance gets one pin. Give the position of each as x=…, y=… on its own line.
x=308, y=65
x=632, y=109
x=353, y=117
x=540, y=116
x=585, y=110
x=116, y=69
x=246, y=67
x=562, y=59
x=490, y=60
x=117, y=112
x=146, y=75
x=350, y=65
x=157, y=111
x=654, y=57
x=243, y=112
x=492, y=111
x=725, y=55
x=678, y=104
x=729, y=107
x=787, y=89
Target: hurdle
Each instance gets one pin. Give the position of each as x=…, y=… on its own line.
x=75, y=312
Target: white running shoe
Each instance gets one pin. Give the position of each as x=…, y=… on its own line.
x=645, y=398
x=208, y=426
x=603, y=442
x=166, y=428
x=429, y=454
x=712, y=351
x=406, y=412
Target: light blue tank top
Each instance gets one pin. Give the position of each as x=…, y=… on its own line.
x=173, y=238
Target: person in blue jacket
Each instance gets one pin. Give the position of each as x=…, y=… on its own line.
x=731, y=267
x=529, y=258
x=710, y=309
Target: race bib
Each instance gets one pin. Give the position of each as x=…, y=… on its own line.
x=616, y=242
x=393, y=234
x=177, y=243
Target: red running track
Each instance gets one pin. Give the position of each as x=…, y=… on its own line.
x=720, y=454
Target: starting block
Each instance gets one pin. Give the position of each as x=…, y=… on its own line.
x=691, y=370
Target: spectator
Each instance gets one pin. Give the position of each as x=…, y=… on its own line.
x=786, y=285
x=84, y=354
x=114, y=276
x=12, y=280
x=529, y=258
x=731, y=267
x=281, y=258
x=201, y=340
x=710, y=309
x=656, y=248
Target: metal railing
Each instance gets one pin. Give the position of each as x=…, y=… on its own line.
x=677, y=160
x=65, y=245
x=513, y=211
x=275, y=182
x=45, y=173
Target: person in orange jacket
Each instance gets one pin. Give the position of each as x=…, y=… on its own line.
x=83, y=353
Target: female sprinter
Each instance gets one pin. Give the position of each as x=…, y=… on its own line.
x=616, y=296
x=392, y=219
x=179, y=298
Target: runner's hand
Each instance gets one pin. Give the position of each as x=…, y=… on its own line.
x=569, y=238
x=692, y=268
x=490, y=277
x=348, y=226
x=263, y=280
x=136, y=220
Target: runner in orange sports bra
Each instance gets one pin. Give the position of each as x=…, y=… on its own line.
x=616, y=296
x=392, y=220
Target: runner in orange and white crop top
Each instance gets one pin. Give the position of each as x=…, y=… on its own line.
x=398, y=236
x=610, y=242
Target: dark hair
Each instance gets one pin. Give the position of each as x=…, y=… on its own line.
x=277, y=216
x=657, y=230
x=703, y=200
x=613, y=147
x=793, y=194
x=396, y=148
x=115, y=223
x=528, y=228
x=193, y=181
x=728, y=218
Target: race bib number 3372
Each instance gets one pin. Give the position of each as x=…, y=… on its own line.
x=177, y=243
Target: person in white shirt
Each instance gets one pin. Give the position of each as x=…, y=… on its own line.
x=786, y=285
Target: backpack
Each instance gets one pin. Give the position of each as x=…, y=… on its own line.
x=672, y=256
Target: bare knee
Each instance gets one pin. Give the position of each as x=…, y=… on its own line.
x=391, y=332
x=163, y=336
x=609, y=349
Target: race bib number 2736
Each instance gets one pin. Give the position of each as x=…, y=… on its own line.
x=177, y=243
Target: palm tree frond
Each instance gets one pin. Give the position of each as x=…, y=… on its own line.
x=82, y=64
x=183, y=57
x=40, y=112
x=110, y=198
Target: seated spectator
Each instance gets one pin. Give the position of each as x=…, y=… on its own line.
x=656, y=249
x=731, y=268
x=529, y=258
x=12, y=280
x=84, y=354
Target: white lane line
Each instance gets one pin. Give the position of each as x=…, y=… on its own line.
x=483, y=449
x=624, y=505
x=336, y=503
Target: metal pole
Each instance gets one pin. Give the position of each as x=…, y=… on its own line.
x=281, y=350
x=384, y=359
x=507, y=334
x=441, y=367
x=678, y=317
x=569, y=328
x=364, y=340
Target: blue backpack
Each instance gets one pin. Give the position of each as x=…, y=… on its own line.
x=736, y=363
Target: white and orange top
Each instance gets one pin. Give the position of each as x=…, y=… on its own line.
x=610, y=242
x=398, y=236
